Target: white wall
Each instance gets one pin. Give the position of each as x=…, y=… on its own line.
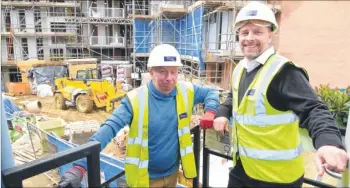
x=226, y=28
x=84, y=6
x=116, y=29
x=17, y=50
x=86, y=31
x=46, y=42
x=3, y=29
x=4, y=54
x=45, y=21
x=204, y=33
x=101, y=3
x=32, y=53
x=213, y=31
x=115, y=4
x=30, y=25
x=14, y=19
x=101, y=33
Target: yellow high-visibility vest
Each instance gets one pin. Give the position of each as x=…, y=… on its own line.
x=136, y=161
x=267, y=140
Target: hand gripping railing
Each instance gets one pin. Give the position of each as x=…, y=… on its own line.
x=13, y=177
x=316, y=183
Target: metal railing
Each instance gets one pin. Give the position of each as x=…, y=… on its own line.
x=107, y=41
x=13, y=177
x=42, y=1
x=138, y=10
x=34, y=28
x=64, y=14
x=101, y=12
x=207, y=152
x=196, y=131
x=67, y=3
x=18, y=58
x=155, y=7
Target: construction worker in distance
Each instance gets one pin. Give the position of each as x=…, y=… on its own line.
x=159, y=115
x=271, y=99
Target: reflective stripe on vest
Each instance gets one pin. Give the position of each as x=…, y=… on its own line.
x=275, y=66
x=185, y=99
x=258, y=126
x=183, y=91
x=271, y=154
x=186, y=151
x=185, y=130
x=136, y=161
x=266, y=120
x=138, y=141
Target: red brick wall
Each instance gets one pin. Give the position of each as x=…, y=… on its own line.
x=316, y=35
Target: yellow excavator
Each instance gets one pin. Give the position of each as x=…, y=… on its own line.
x=87, y=91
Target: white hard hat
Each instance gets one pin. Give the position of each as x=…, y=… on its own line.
x=164, y=55
x=256, y=11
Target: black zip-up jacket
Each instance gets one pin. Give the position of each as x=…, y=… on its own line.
x=290, y=90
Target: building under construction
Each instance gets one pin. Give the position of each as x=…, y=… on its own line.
x=122, y=32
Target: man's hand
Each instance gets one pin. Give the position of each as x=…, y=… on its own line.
x=332, y=158
x=207, y=120
x=221, y=124
x=72, y=178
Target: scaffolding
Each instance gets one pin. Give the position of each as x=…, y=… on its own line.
x=61, y=30
x=179, y=23
x=126, y=31
x=202, y=31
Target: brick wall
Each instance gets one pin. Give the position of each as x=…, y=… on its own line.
x=316, y=35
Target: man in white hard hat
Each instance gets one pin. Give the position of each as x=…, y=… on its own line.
x=271, y=99
x=159, y=115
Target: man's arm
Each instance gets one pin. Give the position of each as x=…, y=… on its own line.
x=120, y=117
x=225, y=109
x=208, y=96
x=290, y=90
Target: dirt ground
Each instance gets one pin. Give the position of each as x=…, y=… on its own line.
x=71, y=115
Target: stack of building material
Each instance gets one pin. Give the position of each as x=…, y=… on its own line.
x=107, y=71
x=81, y=131
x=124, y=73
x=117, y=147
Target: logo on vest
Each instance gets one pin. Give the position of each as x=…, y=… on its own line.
x=183, y=115
x=250, y=92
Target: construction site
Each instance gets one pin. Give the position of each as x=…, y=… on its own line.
x=46, y=44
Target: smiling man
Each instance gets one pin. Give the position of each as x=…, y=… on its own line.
x=159, y=114
x=271, y=99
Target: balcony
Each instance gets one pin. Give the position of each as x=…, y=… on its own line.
x=105, y=41
x=37, y=30
x=101, y=12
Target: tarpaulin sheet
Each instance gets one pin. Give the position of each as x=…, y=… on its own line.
x=45, y=75
x=185, y=33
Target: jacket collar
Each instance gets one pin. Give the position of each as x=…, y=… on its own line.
x=156, y=93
